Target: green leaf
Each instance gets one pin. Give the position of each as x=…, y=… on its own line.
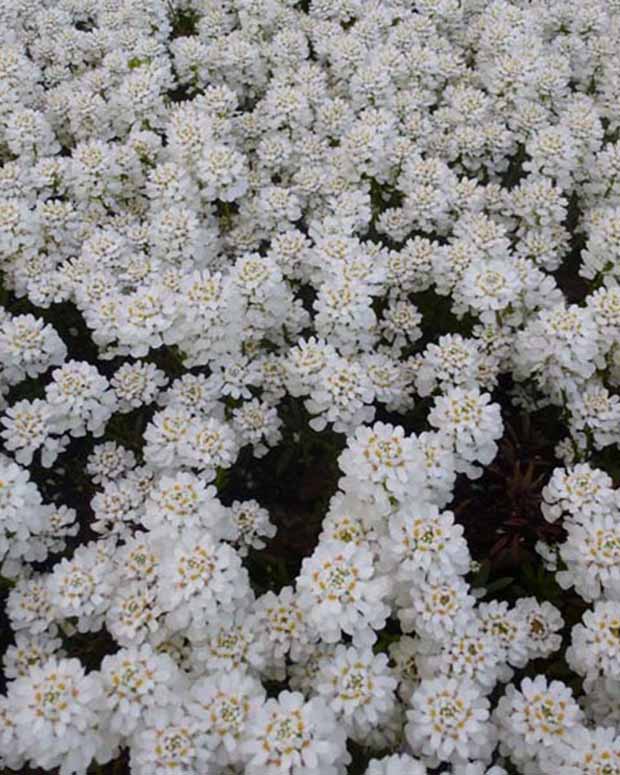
x=499, y=584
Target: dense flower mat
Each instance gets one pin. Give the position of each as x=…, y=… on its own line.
x=309, y=370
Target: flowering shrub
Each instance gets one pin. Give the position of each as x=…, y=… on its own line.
x=309, y=373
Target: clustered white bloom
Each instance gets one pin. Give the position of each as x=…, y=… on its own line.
x=266, y=230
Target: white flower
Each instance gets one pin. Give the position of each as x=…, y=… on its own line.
x=10, y=755
x=509, y=630
x=602, y=247
x=340, y=591
x=21, y=512
x=305, y=362
x=30, y=651
x=435, y=608
x=60, y=523
x=170, y=183
x=210, y=444
x=542, y=622
x=439, y=466
x=225, y=704
x=602, y=703
x=390, y=381
x=290, y=735
x=359, y=687
x=397, y=764
x=29, y=605
x=194, y=392
x=284, y=624
x=400, y=324
x=139, y=558
x=82, y=587
x=135, y=680
x=538, y=201
x=230, y=642
x=165, y=435
x=170, y=740
x=470, y=422
x=475, y=768
x=144, y=318
x=180, y=236
x=595, y=643
x=453, y=361
x=133, y=614
x=605, y=306
x=116, y=507
x=109, y=461
x=380, y=463
x=488, y=287
x=591, y=554
x=535, y=720
x=591, y=751
x=350, y=519
x=424, y=543
x=344, y=314
x=80, y=399
x=185, y=501
x=28, y=427
x=250, y=525
x=29, y=135
x=257, y=423
x=246, y=217
x=223, y=173
x=472, y=654
x=137, y=384
x=58, y=716
x=552, y=152
x=198, y=579
x=596, y=413
x=19, y=229
x=404, y=654
x=577, y=493
x=559, y=349
x=28, y=347
x=449, y=721
x=342, y=395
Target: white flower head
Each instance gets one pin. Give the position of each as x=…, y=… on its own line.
x=134, y=680
x=537, y=718
x=423, y=542
x=58, y=715
x=449, y=721
x=290, y=735
x=396, y=764
x=380, y=463
x=469, y=420
x=359, y=687
x=341, y=591
x=199, y=579
x=227, y=702
x=171, y=739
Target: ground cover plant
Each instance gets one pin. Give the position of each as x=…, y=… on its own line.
x=309, y=387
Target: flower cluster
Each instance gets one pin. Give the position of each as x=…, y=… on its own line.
x=256, y=247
